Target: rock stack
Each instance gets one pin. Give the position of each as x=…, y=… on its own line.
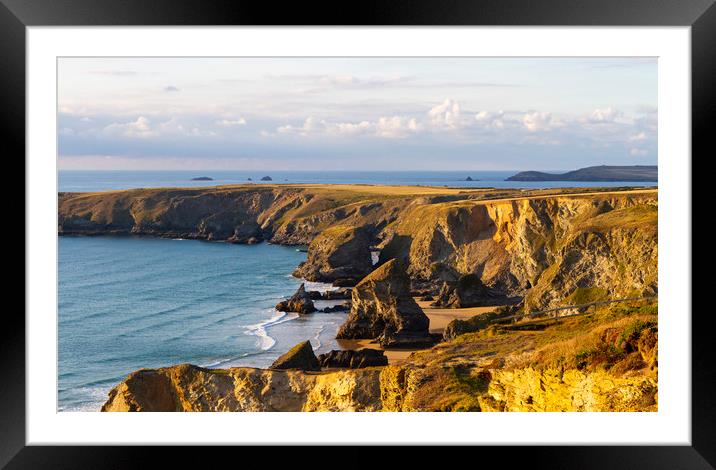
x=382, y=309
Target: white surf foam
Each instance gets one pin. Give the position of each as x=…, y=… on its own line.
x=265, y=341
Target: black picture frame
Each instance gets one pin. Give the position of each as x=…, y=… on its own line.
x=700, y=15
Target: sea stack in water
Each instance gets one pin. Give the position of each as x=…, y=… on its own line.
x=266, y=178
x=382, y=309
x=299, y=302
x=300, y=357
x=202, y=178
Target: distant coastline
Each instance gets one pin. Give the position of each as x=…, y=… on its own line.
x=603, y=173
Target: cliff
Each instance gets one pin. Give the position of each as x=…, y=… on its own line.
x=544, y=245
x=606, y=363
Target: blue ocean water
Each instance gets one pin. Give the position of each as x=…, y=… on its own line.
x=75, y=180
x=127, y=303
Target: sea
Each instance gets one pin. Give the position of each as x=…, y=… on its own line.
x=75, y=180
x=128, y=302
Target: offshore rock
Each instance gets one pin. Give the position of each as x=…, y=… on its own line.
x=299, y=302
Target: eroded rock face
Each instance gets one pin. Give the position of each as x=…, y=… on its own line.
x=299, y=357
x=542, y=248
x=300, y=302
x=338, y=253
x=353, y=359
x=382, y=308
x=191, y=388
x=390, y=388
x=468, y=291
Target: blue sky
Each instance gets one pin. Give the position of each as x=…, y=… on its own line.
x=356, y=113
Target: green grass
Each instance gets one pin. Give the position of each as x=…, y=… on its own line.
x=585, y=295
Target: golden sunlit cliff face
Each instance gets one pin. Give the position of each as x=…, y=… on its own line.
x=606, y=362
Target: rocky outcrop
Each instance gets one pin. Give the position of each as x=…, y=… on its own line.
x=299, y=357
x=382, y=308
x=300, y=302
x=353, y=359
x=336, y=308
x=338, y=253
x=468, y=291
x=338, y=294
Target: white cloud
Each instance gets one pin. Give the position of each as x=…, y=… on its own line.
x=349, y=128
x=446, y=114
x=396, y=127
x=309, y=125
x=491, y=120
x=537, y=121
x=231, y=122
x=603, y=115
x=387, y=127
x=140, y=128
x=638, y=137
x=636, y=152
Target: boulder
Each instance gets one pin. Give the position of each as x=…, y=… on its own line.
x=336, y=308
x=351, y=359
x=339, y=254
x=338, y=294
x=468, y=291
x=382, y=309
x=300, y=357
x=299, y=302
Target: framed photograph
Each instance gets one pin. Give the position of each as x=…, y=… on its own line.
x=419, y=224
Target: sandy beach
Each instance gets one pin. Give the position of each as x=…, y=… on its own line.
x=439, y=319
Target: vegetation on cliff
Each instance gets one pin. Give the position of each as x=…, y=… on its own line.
x=601, y=362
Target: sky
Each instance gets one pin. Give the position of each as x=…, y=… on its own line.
x=356, y=113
